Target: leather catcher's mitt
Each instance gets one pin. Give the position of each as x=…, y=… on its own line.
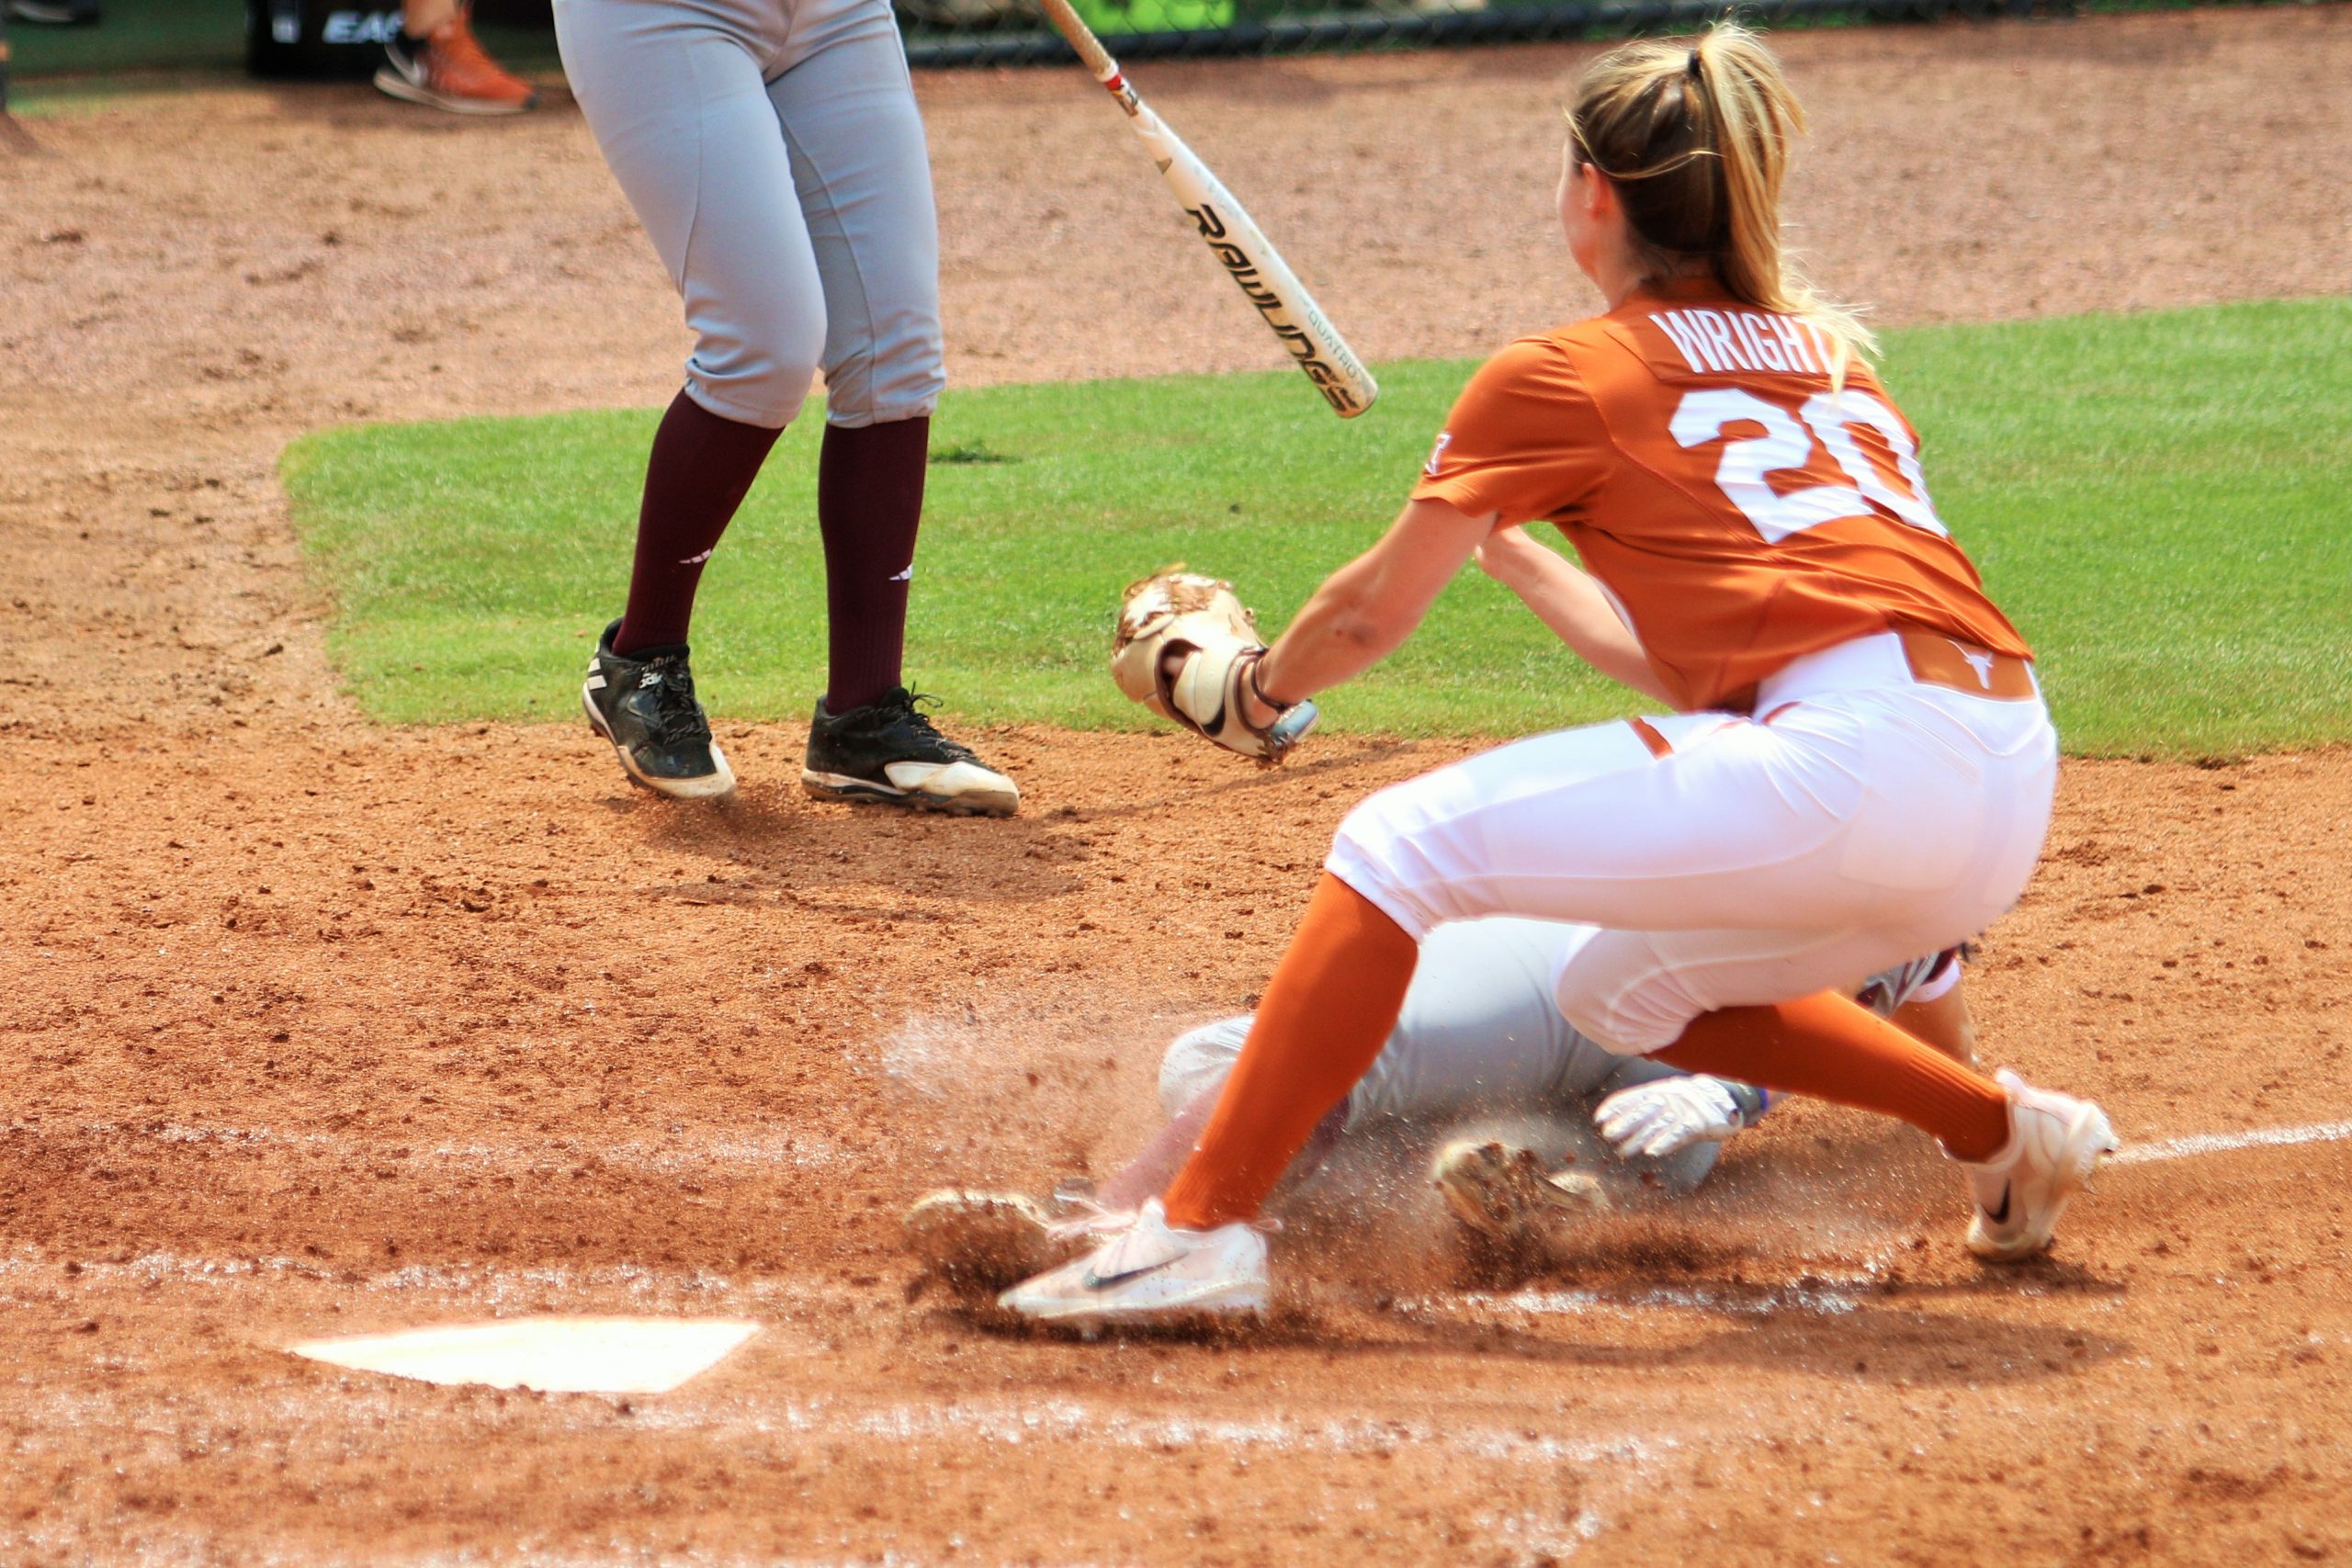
x=1184, y=648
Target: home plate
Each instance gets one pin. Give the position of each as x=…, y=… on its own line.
x=553, y=1354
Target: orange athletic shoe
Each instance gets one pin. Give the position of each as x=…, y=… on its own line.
x=452, y=72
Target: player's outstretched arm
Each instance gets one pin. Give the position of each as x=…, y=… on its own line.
x=1573, y=605
x=1364, y=610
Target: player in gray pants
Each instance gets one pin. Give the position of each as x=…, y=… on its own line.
x=772, y=150
x=1480, y=1038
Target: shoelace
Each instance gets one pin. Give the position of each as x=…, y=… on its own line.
x=906, y=717
x=678, y=718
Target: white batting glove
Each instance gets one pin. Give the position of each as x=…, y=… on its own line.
x=1668, y=1115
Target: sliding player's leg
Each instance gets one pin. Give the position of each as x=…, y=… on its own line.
x=1480, y=1061
x=1478, y=1031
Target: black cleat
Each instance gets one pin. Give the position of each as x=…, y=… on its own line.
x=645, y=705
x=888, y=752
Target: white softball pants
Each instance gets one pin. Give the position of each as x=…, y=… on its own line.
x=1874, y=818
x=776, y=156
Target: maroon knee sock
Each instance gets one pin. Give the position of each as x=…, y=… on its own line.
x=700, y=467
x=869, y=503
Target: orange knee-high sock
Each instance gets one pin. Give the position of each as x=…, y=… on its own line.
x=1327, y=1012
x=1832, y=1048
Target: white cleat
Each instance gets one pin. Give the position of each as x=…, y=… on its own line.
x=1152, y=1272
x=1502, y=1195
x=2056, y=1141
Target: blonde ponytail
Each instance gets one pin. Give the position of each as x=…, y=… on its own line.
x=1695, y=135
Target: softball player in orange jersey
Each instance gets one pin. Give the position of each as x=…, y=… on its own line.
x=1860, y=767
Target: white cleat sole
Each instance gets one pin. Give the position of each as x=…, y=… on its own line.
x=1215, y=1303
x=393, y=84
x=856, y=791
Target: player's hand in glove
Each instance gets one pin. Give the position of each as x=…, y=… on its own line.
x=1186, y=649
x=1666, y=1116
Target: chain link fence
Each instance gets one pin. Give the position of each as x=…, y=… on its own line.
x=1011, y=32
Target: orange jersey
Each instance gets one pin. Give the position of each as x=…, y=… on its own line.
x=1741, y=513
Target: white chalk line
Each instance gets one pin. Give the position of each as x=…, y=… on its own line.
x=760, y=1408
x=1823, y=1301
x=1014, y=1422
x=2226, y=1143
x=803, y=1152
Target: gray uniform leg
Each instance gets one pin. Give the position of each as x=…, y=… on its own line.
x=862, y=174
x=1478, y=1031
x=778, y=164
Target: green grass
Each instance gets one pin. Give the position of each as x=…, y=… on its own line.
x=2163, y=503
x=2158, y=500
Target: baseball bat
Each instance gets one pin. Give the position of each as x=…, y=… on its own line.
x=1233, y=237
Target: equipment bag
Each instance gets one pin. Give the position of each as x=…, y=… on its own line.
x=318, y=40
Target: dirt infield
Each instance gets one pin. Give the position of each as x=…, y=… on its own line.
x=313, y=1027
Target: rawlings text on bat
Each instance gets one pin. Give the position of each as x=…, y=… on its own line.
x=1236, y=241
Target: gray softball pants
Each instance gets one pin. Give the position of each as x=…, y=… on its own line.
x=776, y=156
